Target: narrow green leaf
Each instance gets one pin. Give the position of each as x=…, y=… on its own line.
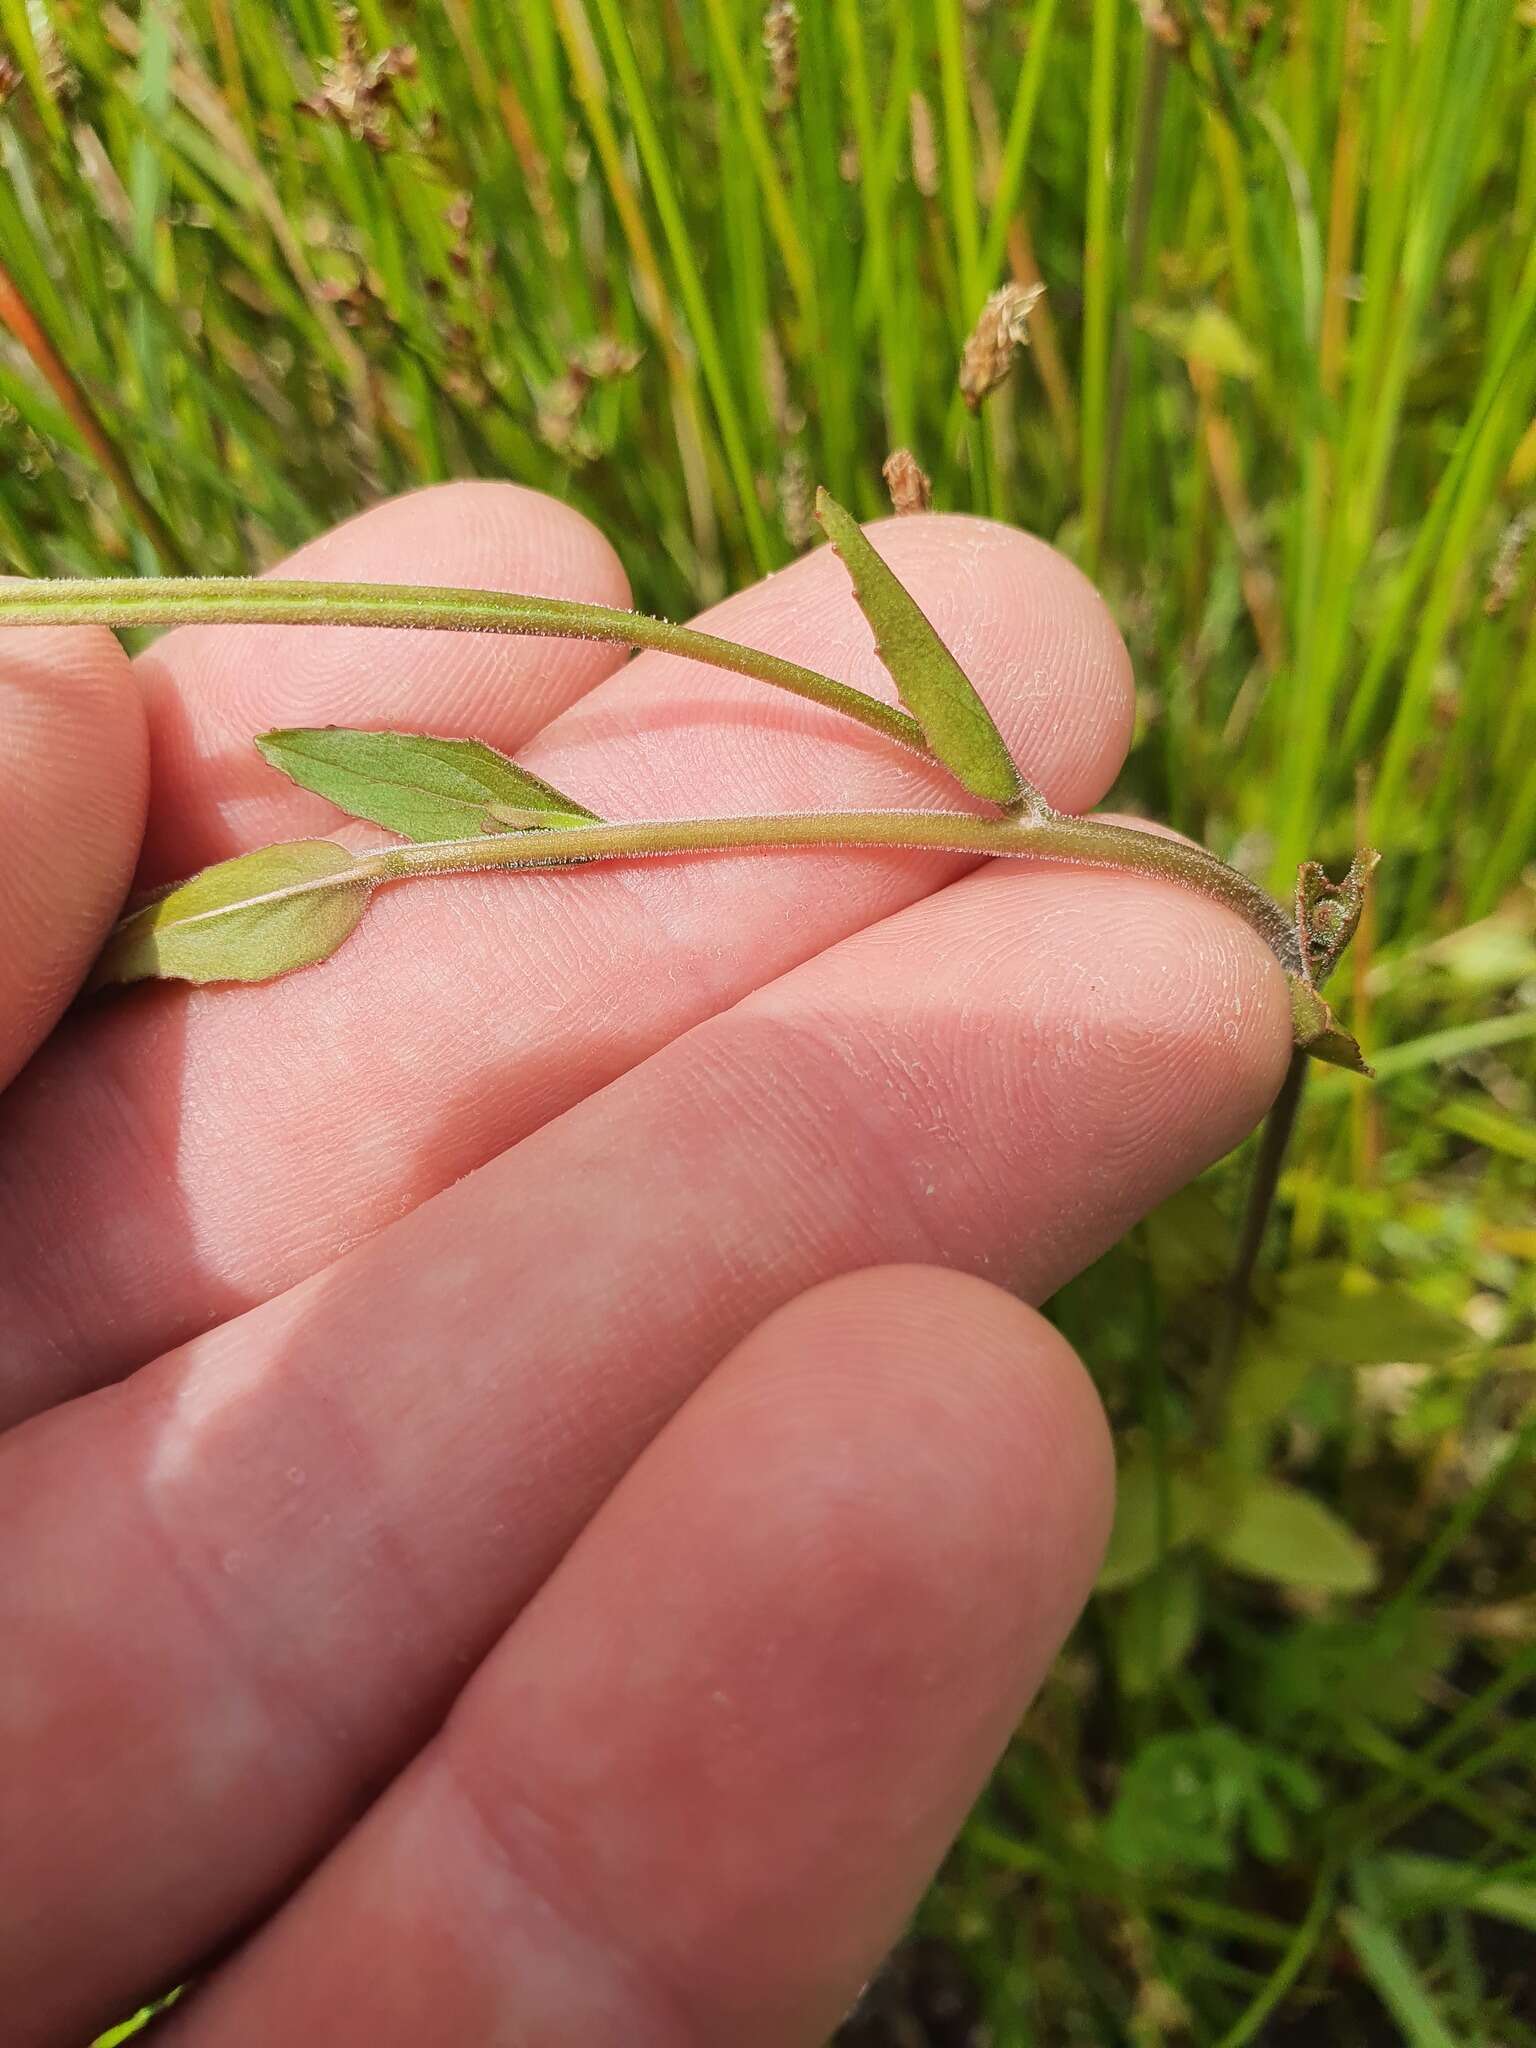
x=1318, y=1032
x=1411, y=1883
x=1489, y=1127
x=1395, y=1978
x=129, y=2028
x=247, y=919
x=422, y=787
x=1280, y=1533
x=933, y=686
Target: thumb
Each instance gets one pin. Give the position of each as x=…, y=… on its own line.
x=74, y=776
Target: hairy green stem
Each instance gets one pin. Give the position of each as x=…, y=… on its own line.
x=1040, y=834
x=251, y=601
x=1083, y=842
x=1086, y=842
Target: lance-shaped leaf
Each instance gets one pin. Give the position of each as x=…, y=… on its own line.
x=1319, y=1033
x=934, y=687
x=414, y=784
x=247, y=919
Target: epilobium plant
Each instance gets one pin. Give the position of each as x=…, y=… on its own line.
x=465, y=807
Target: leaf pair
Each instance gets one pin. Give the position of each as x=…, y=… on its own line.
x=264, y=914
x=426, y=788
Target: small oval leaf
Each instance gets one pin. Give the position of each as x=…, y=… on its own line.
x=415, y=784
x=1278, y=1532
x=933, y=686
x=247, y=919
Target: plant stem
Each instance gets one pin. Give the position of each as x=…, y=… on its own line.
x=1044, y=834
x=1086, y=842
x=242, y=600
x=1273, y=1140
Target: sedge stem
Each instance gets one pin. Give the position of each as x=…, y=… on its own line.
x=1273, y=1140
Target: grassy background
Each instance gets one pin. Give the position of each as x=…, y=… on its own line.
x=1279, y=401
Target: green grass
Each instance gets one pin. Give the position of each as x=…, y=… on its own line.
x=1280, y=404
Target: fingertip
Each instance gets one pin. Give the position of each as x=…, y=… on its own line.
x=1030, y=1059
x=825, y=1595
x=695, y=1791
x=467, y=532
x=1255, y=996
x=945, y=1383
x=1224, y=1022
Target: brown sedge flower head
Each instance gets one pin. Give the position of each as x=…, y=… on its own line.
x=1001, y=330
x=356, y=90
x=781, y=39
x=909, y=484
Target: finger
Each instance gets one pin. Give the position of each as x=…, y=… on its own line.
x=291, y=1539
x=73, y=770
x=696, y=1791
x=466, y=1013
x=210, y=689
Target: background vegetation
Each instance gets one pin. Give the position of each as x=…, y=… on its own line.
x=264, y=262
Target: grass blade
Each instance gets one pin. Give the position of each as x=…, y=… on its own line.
x=1397, y=1983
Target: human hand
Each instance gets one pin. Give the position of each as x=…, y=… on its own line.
x=578, y=1601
